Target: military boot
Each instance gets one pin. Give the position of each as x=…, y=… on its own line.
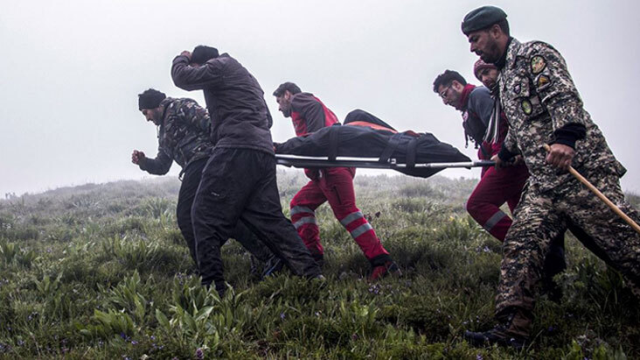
x=498, y=335
x=513, y=333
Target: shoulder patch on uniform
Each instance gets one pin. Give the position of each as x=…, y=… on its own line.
x=538, y=64
x=543, y=81
x=516, y=89
x=526, y=107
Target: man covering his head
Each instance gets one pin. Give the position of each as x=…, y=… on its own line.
x=239, y=181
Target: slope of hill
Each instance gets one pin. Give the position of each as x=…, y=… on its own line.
x=101, y=271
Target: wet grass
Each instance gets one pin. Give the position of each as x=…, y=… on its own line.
x=101, y=272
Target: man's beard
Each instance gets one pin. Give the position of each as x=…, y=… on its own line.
x=493, y=55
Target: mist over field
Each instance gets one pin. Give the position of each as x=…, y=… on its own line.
x=72, y=70
x=102, y=272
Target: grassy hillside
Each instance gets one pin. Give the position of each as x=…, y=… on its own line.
x=102, y=272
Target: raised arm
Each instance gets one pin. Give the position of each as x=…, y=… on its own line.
x=190, y=78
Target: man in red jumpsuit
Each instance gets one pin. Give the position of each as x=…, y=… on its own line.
x=486, y=125
x=334, y=185
x=487, y=129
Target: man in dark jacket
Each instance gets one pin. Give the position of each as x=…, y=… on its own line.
x=239, y=180
x=334, y=185
x=183, y=137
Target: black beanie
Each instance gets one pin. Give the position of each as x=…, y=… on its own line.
x=150, y=99
x=202, y=53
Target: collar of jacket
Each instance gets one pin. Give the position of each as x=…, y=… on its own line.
x=223, y=55
x=166, y=103
x=504, y=59
x=514, y=50
x=464, y=97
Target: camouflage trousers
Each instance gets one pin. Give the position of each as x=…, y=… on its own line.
x=540, y=217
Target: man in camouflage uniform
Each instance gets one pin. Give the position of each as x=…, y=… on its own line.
x=543, y=106
x=183, y=137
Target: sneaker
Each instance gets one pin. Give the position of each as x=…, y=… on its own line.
x=498, y=335
x=381, y=271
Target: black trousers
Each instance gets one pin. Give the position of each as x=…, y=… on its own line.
x=190, y=183
x=239, y=185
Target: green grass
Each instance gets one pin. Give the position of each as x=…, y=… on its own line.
x=102, y=272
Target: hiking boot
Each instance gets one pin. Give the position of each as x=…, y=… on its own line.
x=381, y=271
x=498, y=335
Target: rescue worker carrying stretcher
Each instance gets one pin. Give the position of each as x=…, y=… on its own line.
x=334, y=185
x=486, y=125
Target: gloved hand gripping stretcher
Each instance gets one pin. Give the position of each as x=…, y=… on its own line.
x=368, y=142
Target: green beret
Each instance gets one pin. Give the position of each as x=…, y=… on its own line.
x=482, y=18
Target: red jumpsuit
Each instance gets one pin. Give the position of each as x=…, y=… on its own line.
x=334, y=185
x=496, y=186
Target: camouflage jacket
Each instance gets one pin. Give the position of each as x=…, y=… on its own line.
x=539, y=97
x=183, y=136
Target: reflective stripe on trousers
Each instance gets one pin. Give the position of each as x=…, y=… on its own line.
x=360, y=229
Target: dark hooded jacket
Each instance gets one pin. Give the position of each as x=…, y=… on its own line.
x=239, y=115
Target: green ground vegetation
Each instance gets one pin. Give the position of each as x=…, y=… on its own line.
x=102, y=272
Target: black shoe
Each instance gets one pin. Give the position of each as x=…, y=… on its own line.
x=497, y=335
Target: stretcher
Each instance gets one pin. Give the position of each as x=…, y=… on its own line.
x=369, y=163
x=374, y=145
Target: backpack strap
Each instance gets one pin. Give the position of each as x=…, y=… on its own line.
x=333, y=143
x=411, y=152
x=392, y=145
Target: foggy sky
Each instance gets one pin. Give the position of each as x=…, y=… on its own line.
x=70, y=71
